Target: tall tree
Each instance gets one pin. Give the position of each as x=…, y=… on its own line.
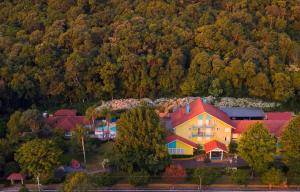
x=291, y=145
x=38, y=157
x=14, y=126
x=257, y=147
x=79, y=137
x=140, y=141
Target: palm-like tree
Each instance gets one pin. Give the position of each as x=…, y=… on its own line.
x=92, y=113
x=80, y=134
x=106, y=113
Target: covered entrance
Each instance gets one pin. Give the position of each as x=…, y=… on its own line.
x=215, y=150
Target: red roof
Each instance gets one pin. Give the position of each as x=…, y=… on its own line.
x=65, y=112
x=15, y=177
x=279, y=115
x=214, y=145
x=66, y=122
x=174, y=137
x=197, y=107
x=275, y=127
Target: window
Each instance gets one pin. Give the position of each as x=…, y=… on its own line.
x=68, y=134
x=209, y=121
x=176, y=151
x=225, y=139
x=200, y=120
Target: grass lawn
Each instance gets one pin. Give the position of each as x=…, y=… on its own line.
x=94, y=160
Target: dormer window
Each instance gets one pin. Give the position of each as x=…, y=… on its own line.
x=187, y=109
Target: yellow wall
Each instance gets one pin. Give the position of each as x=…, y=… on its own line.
x=188, y=150
x=219, y=130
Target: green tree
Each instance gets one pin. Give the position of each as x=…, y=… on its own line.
x=206, y=176
x=197, y=80
x=290, y=145
x=215, y=88
x=32, y=120
x=79, y=137
x=139, y=178
x=14, y=126
x=283, y=89
x=273, y=177
x=259, y=86
x=38, y=157
x=140, y=142
x=257, y=147
x=108, y=74
x=240, y=177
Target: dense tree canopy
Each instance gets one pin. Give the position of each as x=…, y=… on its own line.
x=54, y=51
x=38, y=157
x=140, y=143
x=257, y=147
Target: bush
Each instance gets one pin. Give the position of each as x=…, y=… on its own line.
x=139, y=178
x=273, y=177
x=207, y=175
x=240, y=177
x=23, y=189
x=174, y=173
x=76, y=182
x=104, y=179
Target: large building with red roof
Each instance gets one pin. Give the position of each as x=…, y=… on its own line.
x=66, y=119
x=200, y=123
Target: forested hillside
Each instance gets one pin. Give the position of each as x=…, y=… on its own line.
x=54, y=51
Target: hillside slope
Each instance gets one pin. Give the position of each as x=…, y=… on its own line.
x=54, y=51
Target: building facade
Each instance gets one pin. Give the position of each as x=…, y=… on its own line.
x=202, y=124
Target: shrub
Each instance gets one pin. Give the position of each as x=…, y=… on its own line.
x=76, y=182
x=273, y=177
x=23, y=189
x=104, y=179
x=206, y=175
x=174, y=173
x=139, y=178
x=240, y=177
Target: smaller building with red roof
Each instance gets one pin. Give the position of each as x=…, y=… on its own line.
x=15, y=177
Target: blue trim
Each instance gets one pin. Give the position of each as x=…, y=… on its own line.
x=172, y=144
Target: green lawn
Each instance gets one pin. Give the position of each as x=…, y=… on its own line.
x=94, y=160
